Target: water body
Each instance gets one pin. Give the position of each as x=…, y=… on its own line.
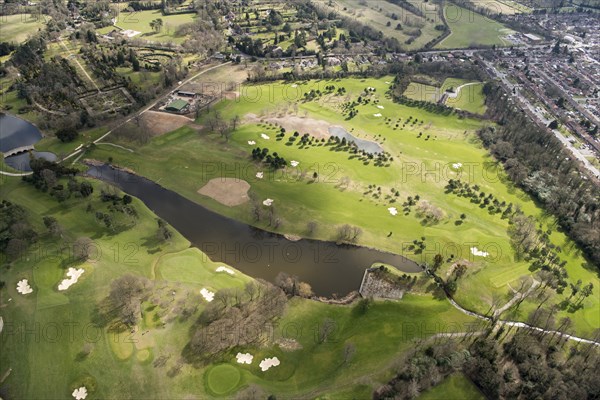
x=362, y=144
x=15, y=132
x=21, y=161
x=327, y=267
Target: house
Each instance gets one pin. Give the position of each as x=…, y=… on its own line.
x=178, y=106
x=186, y=94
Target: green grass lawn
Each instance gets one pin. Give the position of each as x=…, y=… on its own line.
x=140, y=21
x=455, y=386
x=18, y=27
x=47, y=361
x=185, y=160
x=471, y=29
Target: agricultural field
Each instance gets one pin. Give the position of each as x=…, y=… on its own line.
x=505, y=7
x=471, y=29
x=415, y=30
x=327, y=183
x=150, y=355
x=18, y=27
x=140, y=21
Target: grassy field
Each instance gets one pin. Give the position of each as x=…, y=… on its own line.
x=49, y=361
x=140, y=21
x=379, y=13
x=471, y=29
x=456, y=386
x=18, y=27
x=185, y=160
x=469, y=98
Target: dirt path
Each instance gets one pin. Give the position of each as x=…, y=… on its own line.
x=74, y=57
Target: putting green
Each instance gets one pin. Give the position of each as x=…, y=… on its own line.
x=223, y=378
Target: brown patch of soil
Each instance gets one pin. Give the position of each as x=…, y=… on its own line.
x=228, y=191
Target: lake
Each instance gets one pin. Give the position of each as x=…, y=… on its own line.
x=329, y=268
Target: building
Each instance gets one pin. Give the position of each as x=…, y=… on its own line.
x=178, y=106
x=532, y=37
x=186, y=94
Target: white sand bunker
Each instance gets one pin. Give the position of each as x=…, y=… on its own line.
x=268, y=363
x=244, y=358
x=476, y=252
x=228, y=191
x=268, y=202
x=294, y=85
x=260, y=175
x=73, y=276
x=393, y=210
x=23, y=287
x=381, y=107
x=207, y=294
x=457, y=165
x=225, y=269
x=377, y=115
x=251, y=142
x=294, y=163
x=1, y=324
x=80, y=393
x=130, y=33
x=266, y=137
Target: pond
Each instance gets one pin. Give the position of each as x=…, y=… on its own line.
x=16, y=133
x=21, y=161
x=362, y=144
x=329, y=268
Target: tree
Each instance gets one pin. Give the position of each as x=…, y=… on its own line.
x=326, y=329
x=86, y=189
x=163, y=233
x=349, y=351
x=82, y=248
x=67, y=134
x=52, y=225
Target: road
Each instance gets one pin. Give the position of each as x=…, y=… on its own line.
x=538, y=117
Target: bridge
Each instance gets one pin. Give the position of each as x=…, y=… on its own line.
x=18, y=150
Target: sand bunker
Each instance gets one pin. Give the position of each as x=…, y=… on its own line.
x=381, y=107
x=244, y=358
x=393, y=210
x=377, y=115
x=477, y=252
x=292, y=123
x=1, y=324
x=268, y=363
x=228, y=191
x=23, y=287
x=266, y=137
x=73, y=276
x=225, y=269
x=268, y=202
x=259, y=175
x=457, y=165
x=294, y=85
x=207, y=294
x=80, y=393
x=294, y=163
x=251, y=142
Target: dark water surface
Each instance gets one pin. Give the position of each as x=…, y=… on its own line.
x=15, y=132
x=327, y=267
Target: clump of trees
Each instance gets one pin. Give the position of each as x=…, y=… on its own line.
x=525, y=367
x=235, y=317
x=16, y=233
x=275, y=161
x=292, y=286
x=538, y=163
